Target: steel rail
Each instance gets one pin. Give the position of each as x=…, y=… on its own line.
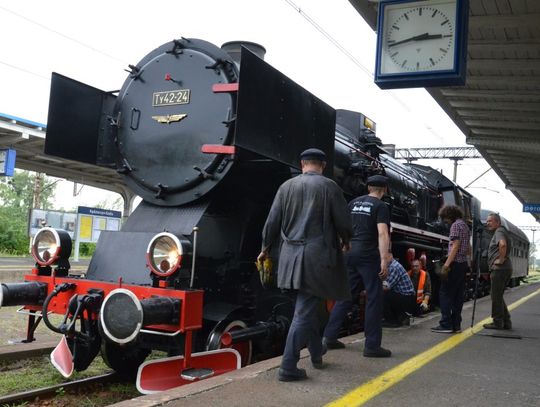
x=47, y=392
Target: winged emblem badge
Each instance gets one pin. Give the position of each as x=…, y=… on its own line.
x=170, y=118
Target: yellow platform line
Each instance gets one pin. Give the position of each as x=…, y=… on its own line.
x=369, y=390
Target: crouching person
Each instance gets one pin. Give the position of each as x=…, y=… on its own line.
x=422, y=285
x=399, y=296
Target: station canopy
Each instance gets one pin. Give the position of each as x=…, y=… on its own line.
x=28, y=139
x=498, y=109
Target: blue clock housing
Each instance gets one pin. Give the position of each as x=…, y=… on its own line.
x=426, y=78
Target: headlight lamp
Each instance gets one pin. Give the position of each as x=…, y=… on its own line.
x=51, y=245
x=165, y=253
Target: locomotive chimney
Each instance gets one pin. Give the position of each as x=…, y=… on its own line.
x=233, y=48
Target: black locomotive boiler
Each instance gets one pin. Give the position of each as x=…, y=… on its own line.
x=205, y=139
x=206, y=148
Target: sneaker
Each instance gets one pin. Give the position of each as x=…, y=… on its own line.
x=377, y=353
x=493, y=325
x=285, y=375
x=390, y=324
x=441, y=330
x=332, y=344
x=456, y=330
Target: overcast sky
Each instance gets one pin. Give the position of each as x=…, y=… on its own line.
x=94, y=41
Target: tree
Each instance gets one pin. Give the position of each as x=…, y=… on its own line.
x=532, y=255
x=18, y=195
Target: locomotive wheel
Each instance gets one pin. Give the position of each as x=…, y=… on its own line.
x=125, y=360
x=244, y=348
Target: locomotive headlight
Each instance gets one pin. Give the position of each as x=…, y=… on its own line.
x=165, y=253
x=51, y=245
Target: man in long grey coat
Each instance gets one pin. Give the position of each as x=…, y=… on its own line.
x=309, y=217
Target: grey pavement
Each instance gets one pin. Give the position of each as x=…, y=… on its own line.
x=480, y=371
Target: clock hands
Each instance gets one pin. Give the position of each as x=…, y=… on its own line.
x=421, y=37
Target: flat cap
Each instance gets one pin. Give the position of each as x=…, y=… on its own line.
x=313, y=154
x=377, y=181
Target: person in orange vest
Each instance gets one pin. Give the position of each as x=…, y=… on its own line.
x=422, y=284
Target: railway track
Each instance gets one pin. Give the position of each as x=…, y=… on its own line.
x=9, y=353
x=51, y=391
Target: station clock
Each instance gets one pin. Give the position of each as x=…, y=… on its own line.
x=421, y=43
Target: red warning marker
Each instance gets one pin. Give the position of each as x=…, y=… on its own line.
x=164, y=374
x=62, y=359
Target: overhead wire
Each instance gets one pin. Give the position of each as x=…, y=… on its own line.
x=330, y=38
x=340, y=47
x=67, y=37
x=18, y=68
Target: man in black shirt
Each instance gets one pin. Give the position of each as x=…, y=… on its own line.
x=367, y=263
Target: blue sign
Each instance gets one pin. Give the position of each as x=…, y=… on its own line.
x=99, y=212
x=531, y=208
x=7, y=161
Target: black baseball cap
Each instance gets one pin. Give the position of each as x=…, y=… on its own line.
x=313, y=154
x=378, y=181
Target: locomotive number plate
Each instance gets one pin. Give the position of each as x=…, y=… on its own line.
x=177, y=97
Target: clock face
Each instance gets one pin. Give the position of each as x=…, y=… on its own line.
x=418, y=37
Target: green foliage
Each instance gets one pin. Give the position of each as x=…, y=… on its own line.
x=87, y=249
x=20, y=190
x=13, y=230
x=34, y=373
x=17, y=196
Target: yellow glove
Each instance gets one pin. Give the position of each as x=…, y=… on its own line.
x=265, y=271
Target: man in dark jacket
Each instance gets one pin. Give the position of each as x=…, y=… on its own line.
x=367, y=263
x=309, y=214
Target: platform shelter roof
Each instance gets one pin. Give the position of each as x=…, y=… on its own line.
x=498, y=110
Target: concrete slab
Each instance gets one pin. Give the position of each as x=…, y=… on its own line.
x=480, y=371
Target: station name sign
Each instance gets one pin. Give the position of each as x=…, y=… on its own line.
x=531, y=207
x=99, y=212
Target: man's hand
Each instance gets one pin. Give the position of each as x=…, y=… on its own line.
x=345, y=247
x=444, y=272
x=384, y=270
x=424, y=306
x=262, y=256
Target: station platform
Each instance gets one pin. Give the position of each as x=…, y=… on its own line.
x=477, y=367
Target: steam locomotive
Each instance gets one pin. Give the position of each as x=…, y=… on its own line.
x=205, y=135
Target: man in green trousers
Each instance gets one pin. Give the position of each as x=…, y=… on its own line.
x=500, y=268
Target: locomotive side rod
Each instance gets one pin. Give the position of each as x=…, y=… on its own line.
x=260, y=330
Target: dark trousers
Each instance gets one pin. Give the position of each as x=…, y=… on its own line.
x=361, y=270
x=452, y=295
x=499, y=311
x=304, y=331
x=396, y=306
